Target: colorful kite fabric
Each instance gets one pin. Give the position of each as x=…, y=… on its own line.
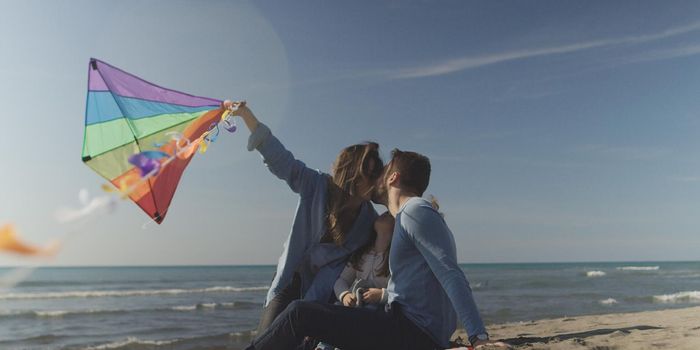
x=141, y=137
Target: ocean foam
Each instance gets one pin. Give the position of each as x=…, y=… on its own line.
x=126, y=293
x=184, y=308
x=680, y=297
x=595, y=273
x=131, y=342
x=202, y=306
x=62, y=313
x=55, y=313
x=608, y=301
x=638, y=268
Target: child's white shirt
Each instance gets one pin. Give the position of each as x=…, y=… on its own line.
x=371, y=262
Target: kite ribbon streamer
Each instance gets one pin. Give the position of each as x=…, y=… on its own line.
x=227, y=120
x=9, y=242
x=149, y=162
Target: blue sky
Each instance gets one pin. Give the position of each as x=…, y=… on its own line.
x=558, y=131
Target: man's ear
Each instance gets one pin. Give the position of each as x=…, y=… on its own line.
x=393, y=178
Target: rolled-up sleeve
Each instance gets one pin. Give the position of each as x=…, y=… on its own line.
x=281, y=162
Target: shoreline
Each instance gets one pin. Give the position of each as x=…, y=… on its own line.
x=272, y=265
x=661, y=329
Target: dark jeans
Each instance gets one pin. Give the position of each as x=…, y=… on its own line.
x=344, y=327
x=279, y=303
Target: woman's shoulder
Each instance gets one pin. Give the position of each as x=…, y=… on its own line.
x=321, y=183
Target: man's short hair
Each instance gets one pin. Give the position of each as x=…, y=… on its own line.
x=414, y=169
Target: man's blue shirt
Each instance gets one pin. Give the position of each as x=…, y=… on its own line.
x=425, y=278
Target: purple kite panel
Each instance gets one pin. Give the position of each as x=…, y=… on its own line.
x=95, y=81
x=127, y=85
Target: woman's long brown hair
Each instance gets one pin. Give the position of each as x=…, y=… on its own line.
x=354, y=163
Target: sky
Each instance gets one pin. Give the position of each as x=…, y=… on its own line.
x=557, y=130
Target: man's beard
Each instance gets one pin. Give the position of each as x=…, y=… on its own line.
x=380, y=196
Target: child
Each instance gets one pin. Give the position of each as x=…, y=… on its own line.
x=363, y=281
x=365, y=277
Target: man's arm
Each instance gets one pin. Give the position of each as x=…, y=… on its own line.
x=435, y=242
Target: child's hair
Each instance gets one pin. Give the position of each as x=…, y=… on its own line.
x=434, y=203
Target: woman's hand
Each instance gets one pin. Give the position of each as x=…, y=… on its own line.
x=240, y=108
x=349, y=300
x=372, y=296
x=236, y=107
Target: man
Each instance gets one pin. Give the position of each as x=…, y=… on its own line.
x=427, y=290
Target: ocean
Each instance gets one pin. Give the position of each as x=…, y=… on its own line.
x=217, y=307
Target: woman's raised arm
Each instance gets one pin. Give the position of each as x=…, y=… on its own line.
x=278, y=159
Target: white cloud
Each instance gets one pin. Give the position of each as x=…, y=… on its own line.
x=623, y=152
x=470, y=62
x=662, y=54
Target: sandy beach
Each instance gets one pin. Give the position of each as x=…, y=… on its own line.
x=666, y=329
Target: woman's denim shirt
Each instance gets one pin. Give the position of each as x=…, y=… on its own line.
x=318, y=264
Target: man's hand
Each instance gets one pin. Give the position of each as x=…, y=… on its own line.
x=490, y=344
x=349, y=300
x=372, y=296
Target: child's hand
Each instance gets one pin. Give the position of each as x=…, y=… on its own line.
x=372, y=295
x=349, y=300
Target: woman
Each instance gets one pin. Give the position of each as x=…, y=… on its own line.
x=334, y=216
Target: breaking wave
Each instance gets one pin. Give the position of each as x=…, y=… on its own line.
x=680, y=297
x=217, y=306
x=205, y=342
x=638, y=268
x=57, y=313
x=236, y=305
x=595, y=274
x=132, y=343
x=126, y=293
x=608, y=301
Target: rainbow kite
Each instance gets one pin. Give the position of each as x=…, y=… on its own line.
x=141, y=137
